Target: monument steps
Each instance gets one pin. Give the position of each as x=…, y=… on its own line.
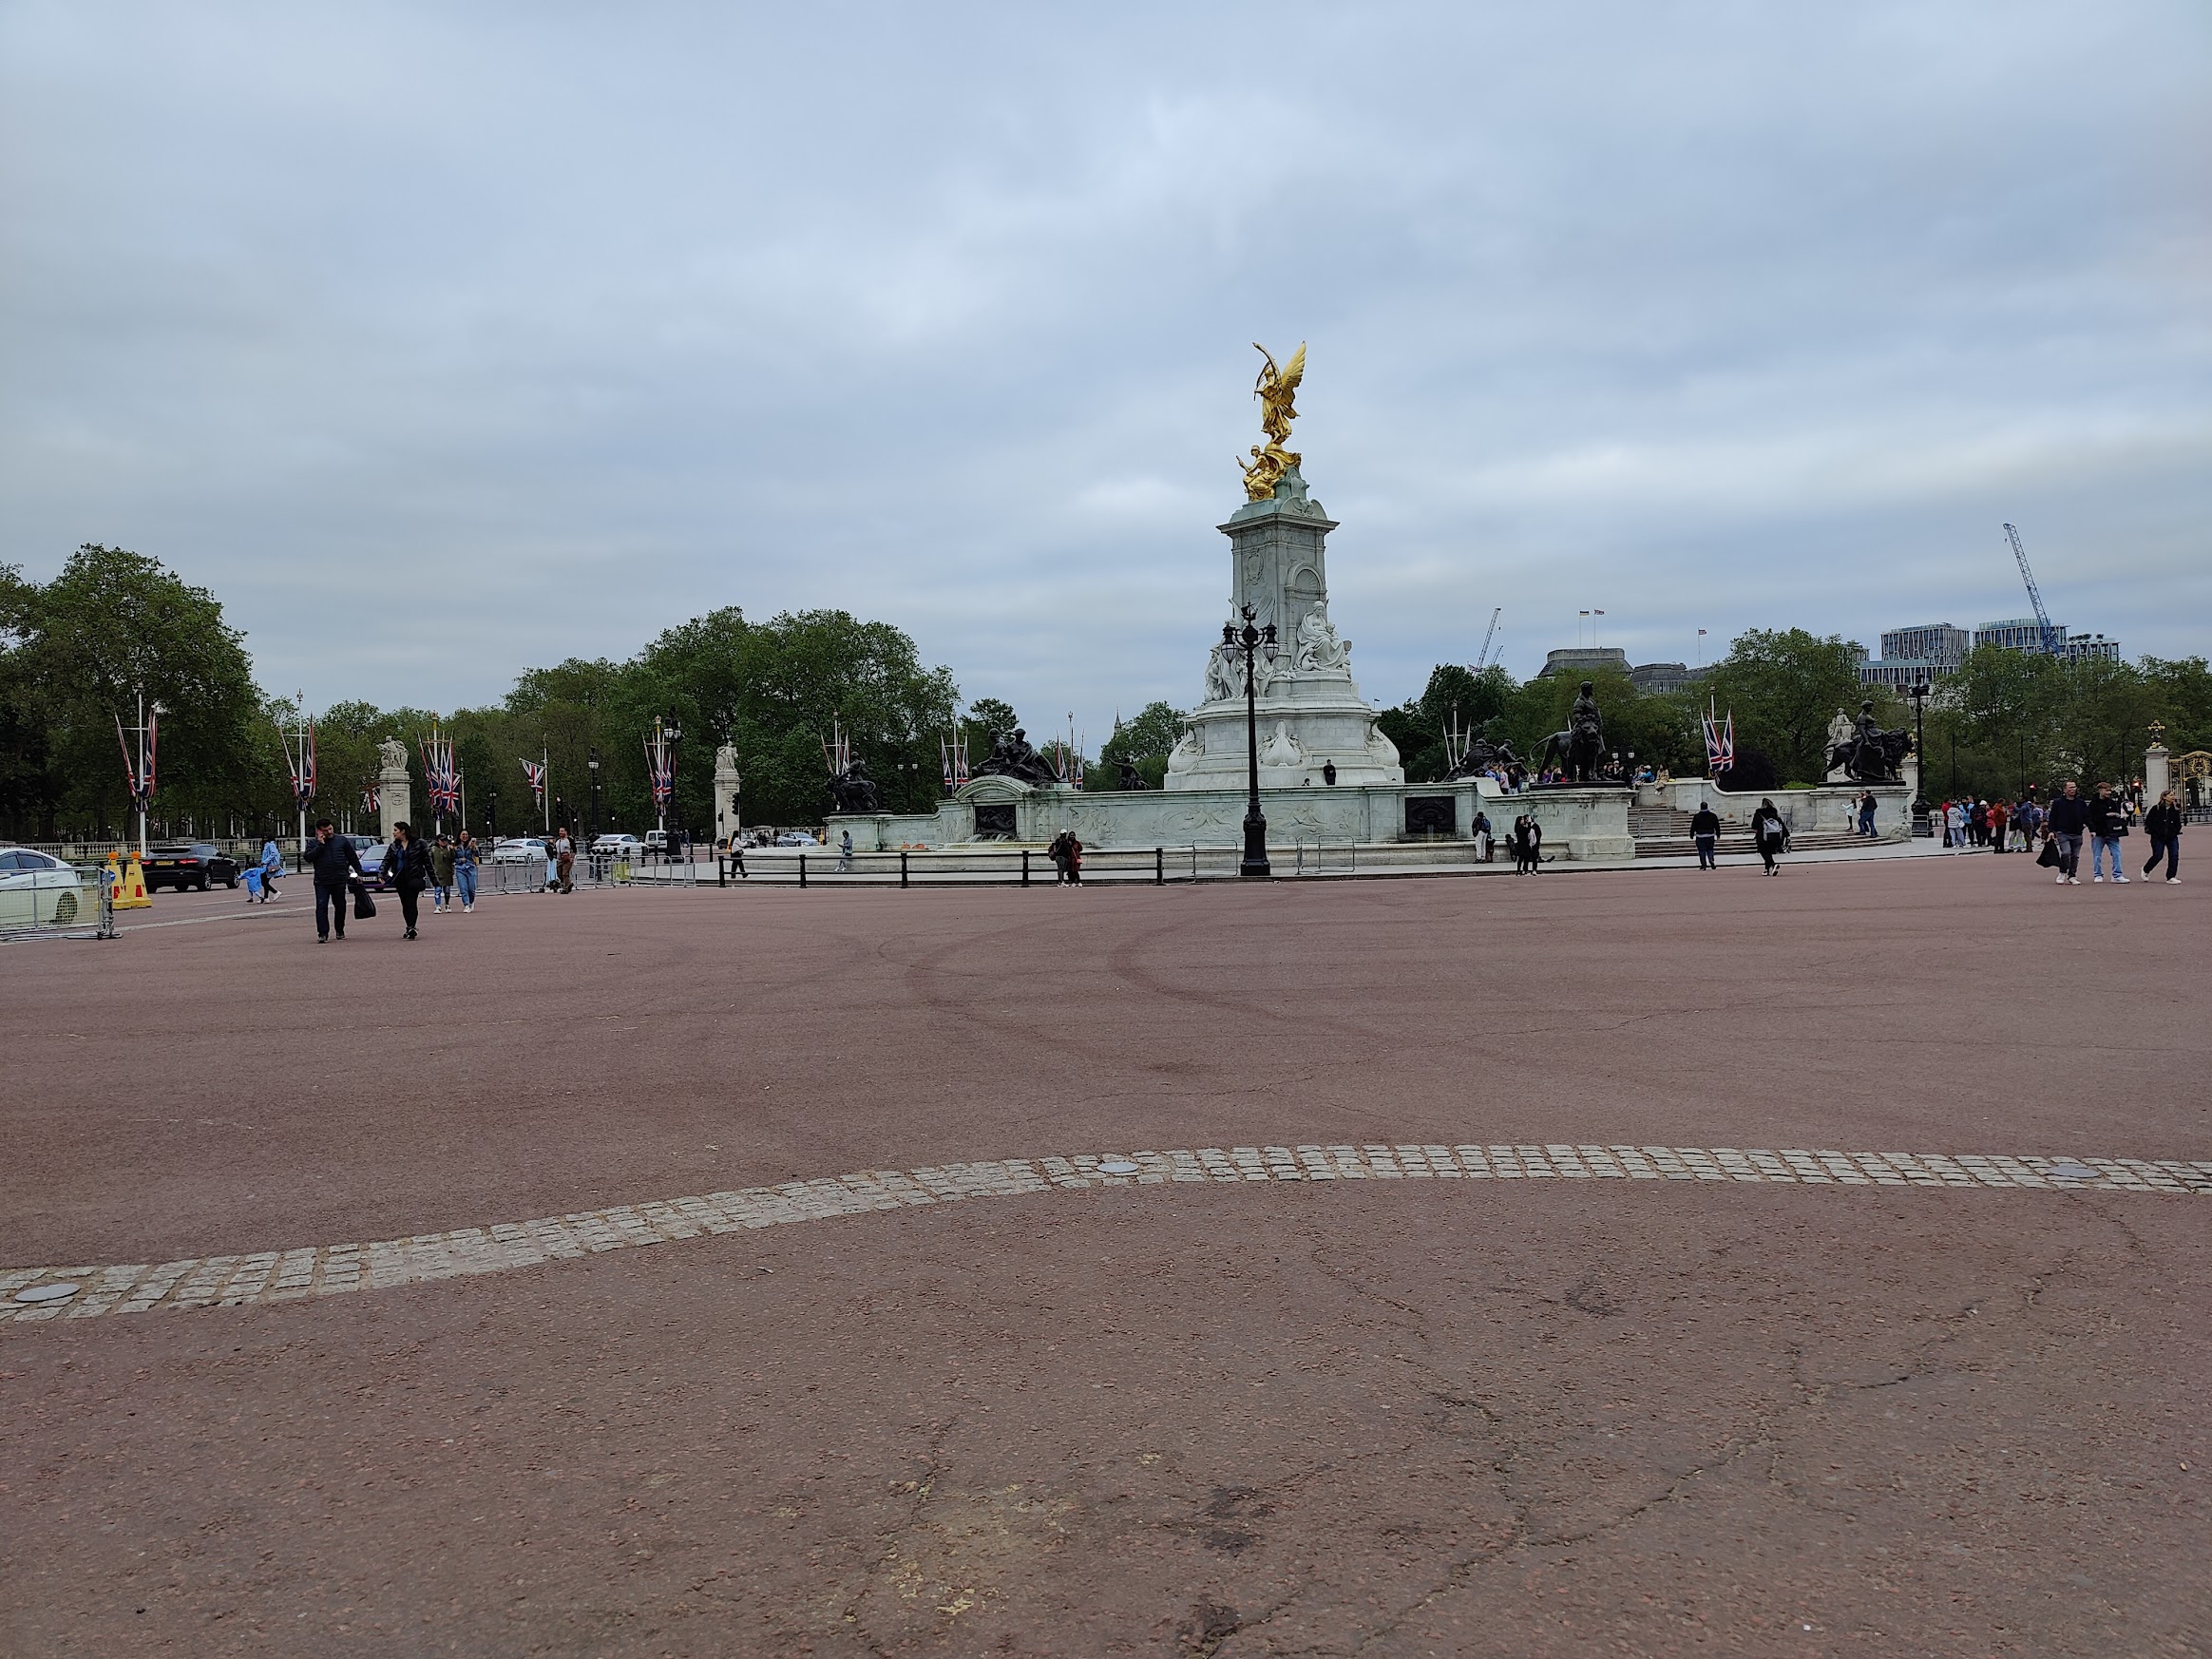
x=1663, y=832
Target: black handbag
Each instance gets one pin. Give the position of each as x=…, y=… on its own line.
x=364, y=907
x=2048, y=858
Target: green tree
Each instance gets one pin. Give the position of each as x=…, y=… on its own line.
x=111, y=625
x=1784, y=686
x=1145, y=741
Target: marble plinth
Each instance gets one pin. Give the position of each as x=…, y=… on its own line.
x=1578, y=823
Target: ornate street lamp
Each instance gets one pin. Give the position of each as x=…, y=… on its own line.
x=1919, y=695
x=1250, y=641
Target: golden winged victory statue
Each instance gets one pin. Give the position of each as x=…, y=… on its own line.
x=1277, y=389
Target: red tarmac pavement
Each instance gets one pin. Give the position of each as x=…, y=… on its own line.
x=1402, y=1418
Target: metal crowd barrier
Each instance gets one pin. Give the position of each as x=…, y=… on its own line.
x=48, y=905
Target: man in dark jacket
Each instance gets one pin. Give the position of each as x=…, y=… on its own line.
x=2067, y=818
x=2108, y=823
x=333, y=860
x=1704, y=831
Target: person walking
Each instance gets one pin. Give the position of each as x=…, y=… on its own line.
x=1705, y=834
x=2067, y=819
x=563, y=852
x=272, y=868
x=844, y=850
x=1772, y=835
x=2163, y=825
x=465, y=870
x=441, y=875
x=2108, y=822
x=738, y=854
x=407, y=864
x=333, y=861
x=1997, y=825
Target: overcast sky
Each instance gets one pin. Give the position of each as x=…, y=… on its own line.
x=446, y=341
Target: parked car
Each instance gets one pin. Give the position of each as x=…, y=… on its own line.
x=613, y=846
x=371, y=852
x=519, y=850
x=796, y=838
x=37, y=889
x=189, y=864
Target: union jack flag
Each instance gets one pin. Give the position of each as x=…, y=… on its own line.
x=442, y=775
x=535, y=772
x=141, y=787
x=1720, y=741
x=303, y=776
x=663, y=775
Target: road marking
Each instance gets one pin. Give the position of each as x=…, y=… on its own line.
x=289, y=1275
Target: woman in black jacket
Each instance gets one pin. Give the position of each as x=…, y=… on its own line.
x=406, y=861
x=1770, y=834
x=2162, y=824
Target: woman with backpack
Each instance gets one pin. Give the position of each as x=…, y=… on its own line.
x=1772, y=835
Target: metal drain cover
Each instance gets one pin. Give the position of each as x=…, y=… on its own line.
x=1116, y=1167
x=47, y=1294
x=2069, y=1170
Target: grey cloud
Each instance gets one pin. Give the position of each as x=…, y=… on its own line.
x=446, y=343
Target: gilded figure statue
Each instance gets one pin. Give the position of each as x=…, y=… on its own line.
x=1277, y=389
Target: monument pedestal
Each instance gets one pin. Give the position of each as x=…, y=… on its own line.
x=394, y=792
x=1310, y=713
x=726, y=782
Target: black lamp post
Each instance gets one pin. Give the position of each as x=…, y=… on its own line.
x=491, y=813
x=1250, y=641
x=592, y=766
x=1919, y=695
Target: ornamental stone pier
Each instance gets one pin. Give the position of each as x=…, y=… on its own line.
x=726, y=784
x=395, y=792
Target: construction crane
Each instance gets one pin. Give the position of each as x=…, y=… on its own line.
x=1482, y=657
x=2053, y=644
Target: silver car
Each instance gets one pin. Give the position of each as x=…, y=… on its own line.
x=39, y=891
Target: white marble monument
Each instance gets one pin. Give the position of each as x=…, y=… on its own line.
x=1310, y=712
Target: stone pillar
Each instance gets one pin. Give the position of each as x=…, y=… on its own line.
x=2157, y=772
x=395, y=793
x=726, y=782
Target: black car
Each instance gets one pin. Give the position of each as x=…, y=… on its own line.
x=189, y=864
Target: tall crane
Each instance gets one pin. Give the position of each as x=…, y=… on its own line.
x=2053, y=644
x=1482, y=657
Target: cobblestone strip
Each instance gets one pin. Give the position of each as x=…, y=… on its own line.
x=271, y=1276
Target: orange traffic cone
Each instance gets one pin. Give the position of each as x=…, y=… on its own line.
x=131, y=893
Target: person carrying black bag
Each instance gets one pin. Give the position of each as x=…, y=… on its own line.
x=406, y=861
x=2162, y=824
x=332, y=857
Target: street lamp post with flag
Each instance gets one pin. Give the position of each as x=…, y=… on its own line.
x=139, y=778
x=661, y=769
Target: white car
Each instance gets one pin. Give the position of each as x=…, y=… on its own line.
x=612, y=845
x=520, y=849
x=38, y=891
x=796, y=838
